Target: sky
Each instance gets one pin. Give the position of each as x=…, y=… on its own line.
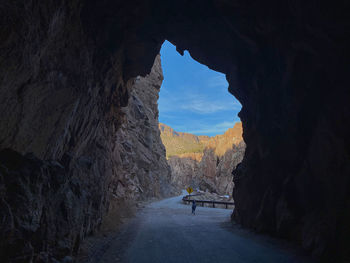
x=194, y=98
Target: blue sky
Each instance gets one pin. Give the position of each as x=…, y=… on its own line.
x=194, y=98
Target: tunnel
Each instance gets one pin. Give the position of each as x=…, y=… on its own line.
x=66, y=70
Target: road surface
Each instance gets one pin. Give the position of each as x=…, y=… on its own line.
x=166, y=231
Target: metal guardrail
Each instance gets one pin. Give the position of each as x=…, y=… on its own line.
x=186, y=200
x=191, y=195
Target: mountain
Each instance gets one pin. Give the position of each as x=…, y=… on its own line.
x=185, y=144
x=177, y=143
x=201, y=161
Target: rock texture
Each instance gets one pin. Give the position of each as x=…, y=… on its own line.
x=45, y=210
x=141, y=169
x=202, y=161
x=49, y=206
x=180, y=142
x=65, y=68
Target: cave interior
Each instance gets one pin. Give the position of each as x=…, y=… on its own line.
x=66, y=68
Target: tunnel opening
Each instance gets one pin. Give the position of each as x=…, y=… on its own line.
x=66, y=75
x=199, y=126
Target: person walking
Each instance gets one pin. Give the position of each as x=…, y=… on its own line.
x=194, y=205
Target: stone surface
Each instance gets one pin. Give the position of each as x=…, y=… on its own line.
x=45, y=210
x=65, y=68
x=187, y=144
x=204, y=162
x=141, y=169
x=177, y=143
x=50, y=206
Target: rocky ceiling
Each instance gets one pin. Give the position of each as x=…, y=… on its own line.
x=65, y=69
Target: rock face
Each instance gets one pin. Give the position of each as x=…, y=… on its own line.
x=141, y=168
x=66, y=67
x=227, y=163
x=48, y=207
x=180, y=142
x=202, y=161
x=45, y=210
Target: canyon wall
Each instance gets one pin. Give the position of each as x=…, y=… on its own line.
x=141, y=170
x=91, y=168
x=287, y=64
x=201, y=161
x=65, y=73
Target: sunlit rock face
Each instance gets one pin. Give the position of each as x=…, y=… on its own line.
x=66, y=68
x=141, y=168
x=201, y=161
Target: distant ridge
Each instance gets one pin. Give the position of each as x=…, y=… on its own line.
x=190, y=145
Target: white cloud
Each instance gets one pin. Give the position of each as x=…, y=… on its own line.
x=218, y=128
x=203, y=105
x=197, y=105
x=225, y=125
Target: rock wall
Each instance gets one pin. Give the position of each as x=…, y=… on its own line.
x=72, y=149
x=177, y=143
x=65, y=69
x=225, y=165
x=58, y=105
x=210, y=172
x=288, y=66
x=211, y=168
x=141, y=169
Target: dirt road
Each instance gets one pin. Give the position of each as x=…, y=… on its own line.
x=166, y=231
